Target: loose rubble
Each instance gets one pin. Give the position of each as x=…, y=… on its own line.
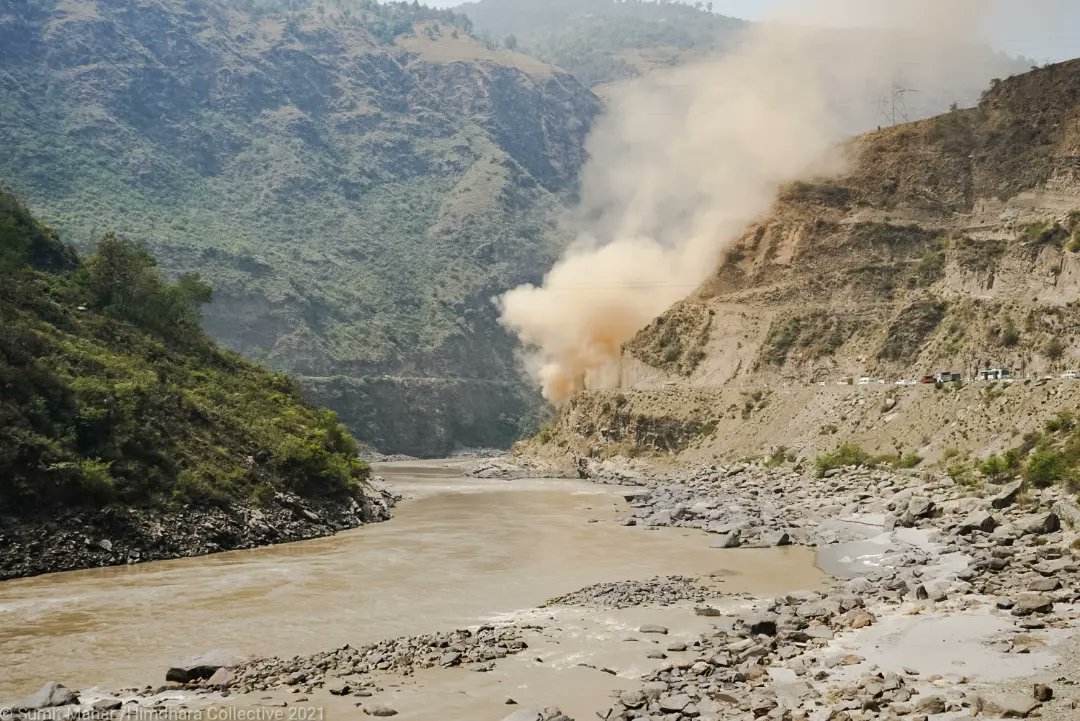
x=354, y=671
x=658, y=591
x=936, y=546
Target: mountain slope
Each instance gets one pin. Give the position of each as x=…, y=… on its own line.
x=112, y=393
x=949, y=244
x=356, y=180
x=603, y=41
x=120, y=419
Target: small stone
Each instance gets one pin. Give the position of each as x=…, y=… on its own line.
x=674, y=704
x=632, y=699
x=726, y=540
x=1043, y=693
x=380, y=711
x=930, y=705
x=337, y=687
x=652, y=628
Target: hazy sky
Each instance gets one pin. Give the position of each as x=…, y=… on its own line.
x=1044, y=30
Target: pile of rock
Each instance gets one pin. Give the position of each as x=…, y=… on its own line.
x=938, y=544
x=750, y=505
x=657, y=591
x=351, y=670
x=778, y=663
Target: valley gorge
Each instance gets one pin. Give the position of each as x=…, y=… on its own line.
x=538, y=361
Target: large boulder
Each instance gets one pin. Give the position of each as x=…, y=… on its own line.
x=203, y=667
x=978, y=521
x=921, y=507
x=50, y=695
x=1040, y=524
x=1007, y=495
x=1008, y=705
x=1032, y=603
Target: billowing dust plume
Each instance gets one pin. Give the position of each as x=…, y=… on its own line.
x=683, y=161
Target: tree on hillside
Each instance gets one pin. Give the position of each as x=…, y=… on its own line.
x=127, y=284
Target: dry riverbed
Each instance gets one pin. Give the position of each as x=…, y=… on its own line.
x=947, y=602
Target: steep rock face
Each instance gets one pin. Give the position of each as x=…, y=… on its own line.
x=949, y=245
x=357, y=187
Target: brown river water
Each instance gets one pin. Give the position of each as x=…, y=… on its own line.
x=458, y=552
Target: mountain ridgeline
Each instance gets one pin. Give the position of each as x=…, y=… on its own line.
x=356, y=180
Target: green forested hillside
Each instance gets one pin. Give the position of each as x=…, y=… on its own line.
x=601, y=41
x=110, y=391
x=356, y=180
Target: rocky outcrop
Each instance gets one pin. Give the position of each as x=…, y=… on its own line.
x=118, y=535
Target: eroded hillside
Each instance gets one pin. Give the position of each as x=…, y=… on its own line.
x=949, y=245
x=357, y=180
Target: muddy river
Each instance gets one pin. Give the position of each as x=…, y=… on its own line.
x=458, y=552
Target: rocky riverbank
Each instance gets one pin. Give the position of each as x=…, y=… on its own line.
x=115, y=535
x=949, y=601
x=992, y=560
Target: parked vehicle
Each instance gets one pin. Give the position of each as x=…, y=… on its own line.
x=996, y=374
x=865, y=381
x=947, y=377
x=1070, y=376
x=928, y=380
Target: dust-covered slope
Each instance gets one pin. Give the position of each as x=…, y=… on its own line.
x=950, y=245
x=356, y=179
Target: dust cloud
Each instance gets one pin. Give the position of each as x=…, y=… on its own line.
x=683, y=161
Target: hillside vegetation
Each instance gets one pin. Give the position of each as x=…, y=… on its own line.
x=602, y=41
x=110, y=391
x=356, y=179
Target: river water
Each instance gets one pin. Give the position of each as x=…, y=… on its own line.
x=458, y=552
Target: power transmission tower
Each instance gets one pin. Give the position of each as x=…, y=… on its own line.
x=893, y=106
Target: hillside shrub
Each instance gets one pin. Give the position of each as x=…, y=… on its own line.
x=1045, y=468
x=847, y=454
x=997, y=469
